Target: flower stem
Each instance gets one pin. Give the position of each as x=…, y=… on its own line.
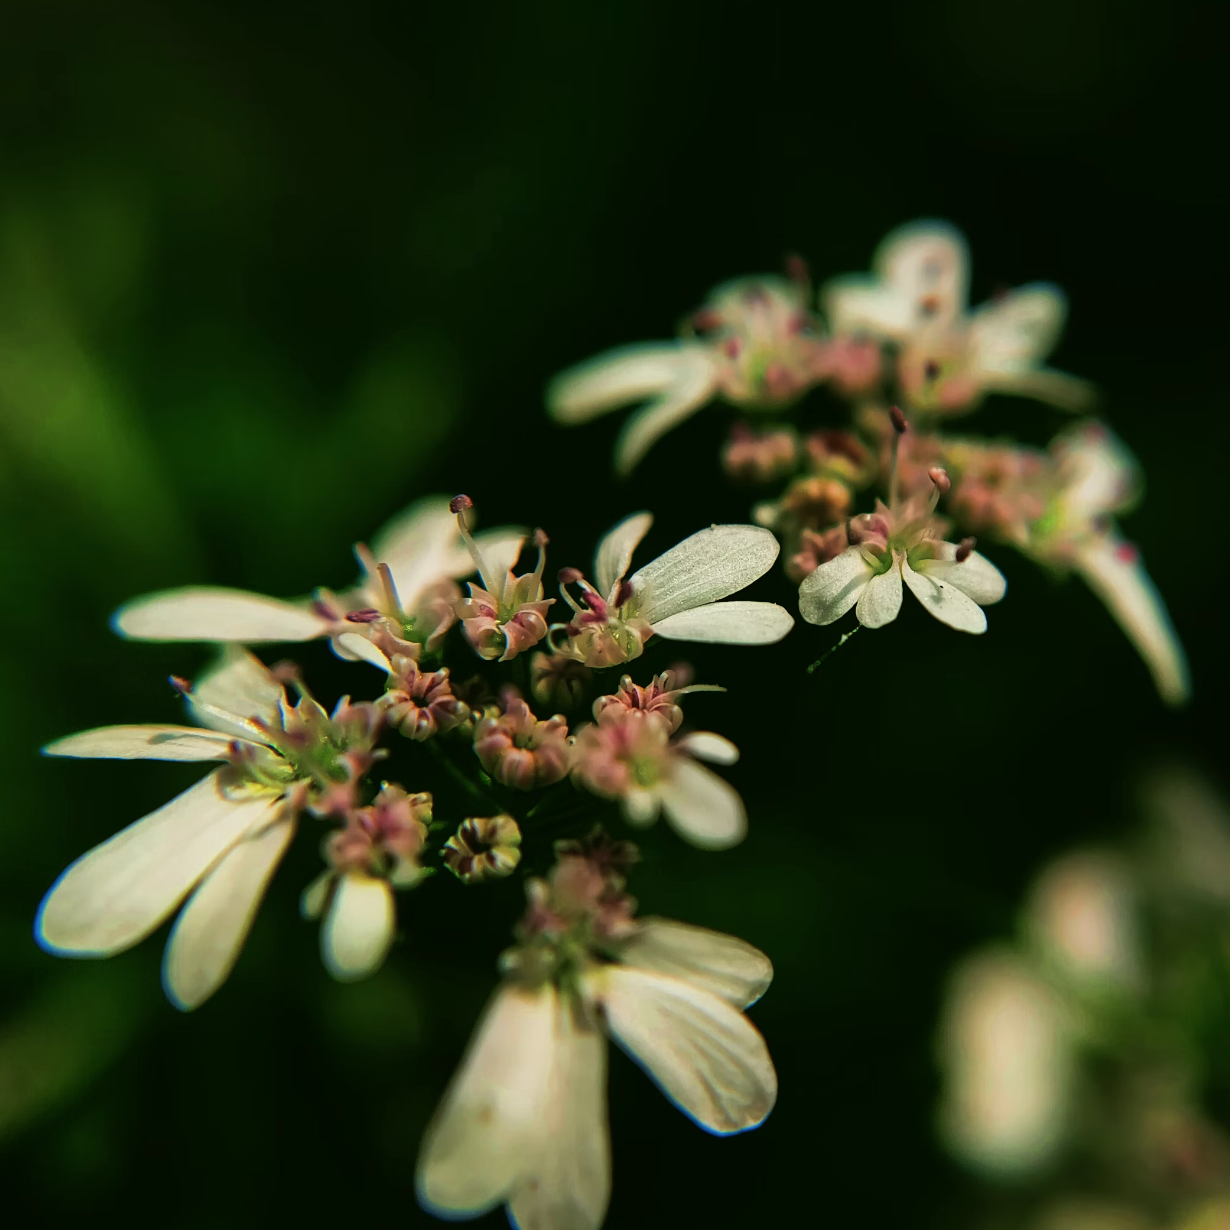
x=828, y=653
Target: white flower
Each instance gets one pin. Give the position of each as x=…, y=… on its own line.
x=524, y=1121
x=1098, y=477
x=676, y=596
x=413, y=554
x=760, y=350
x=216, y=845
x=952, y=582
x=1008, y=1050
x=950, y=357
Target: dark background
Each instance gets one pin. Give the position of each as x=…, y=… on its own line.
x=269, y=272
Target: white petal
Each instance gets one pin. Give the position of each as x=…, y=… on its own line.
x=568, y=1185
x=1014, y=332
x=696, y=384
x=486, y=1133
x=501, y=558
x=709, y=565
x=315, y=897
x=705, y=745
x=1114, y=571
x=829, y=592
x=202, y=613
x=358, y=646
x=859, y=304
x=212, y=927
x=723, y=965
x=880, y=601
x=1057, y=389
x=976, y=577
x=359, y=928
x=143, y=743
x=614, y=552
x=115, y=895
x=616, y=378
x=706, y=1056
x=240, y=685
x=702, y=807
x=945, y=601
x=728, y=623
x=929, y=262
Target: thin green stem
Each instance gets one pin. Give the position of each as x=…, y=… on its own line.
x=828, y=653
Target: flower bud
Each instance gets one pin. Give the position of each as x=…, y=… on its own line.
x=520, y=751
x=483, y=848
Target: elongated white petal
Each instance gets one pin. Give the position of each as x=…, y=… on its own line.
x=617, y=378
x=1058, y=389
x=880, y=601
x=212, y=927
x=567, y=1185
x=240, y=685
x=976, y=577
x=696, y=383
x=945, y=601
x=829, y=592
x=728, y=623
x=859, y=304
x=143, y=743
x=358, y=646
x=701, y=807
x=705, y=745
x=705, y=1055
x=1014, y=332
x=723, y=965
x=486, y=1133
x=501, y=558
x=928, y=261
x=1115, y=572
x=205, y=613
x=359, y=928
x=115, y=895
x=614, y=552
x=709, y=565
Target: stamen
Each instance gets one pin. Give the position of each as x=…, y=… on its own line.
x=540, y=541
x=965, y=549
x=379, y=574
x=942, y=484
x=798, y=272
x=368, y=615
x=459, y=505
x=622, y=593
x=899, y=426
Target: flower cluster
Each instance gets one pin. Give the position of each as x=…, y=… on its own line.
x=901, y=336
x=525, y=1120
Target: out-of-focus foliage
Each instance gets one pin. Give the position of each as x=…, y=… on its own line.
x=267, y=273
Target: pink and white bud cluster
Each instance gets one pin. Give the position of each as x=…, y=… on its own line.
x=518, y=749
x=659, y=700
x=760, y=456
x=421, y=703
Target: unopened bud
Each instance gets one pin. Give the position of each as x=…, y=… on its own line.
x=939, y=476
x=898, y=420
x=965, y=549
x=459, y=503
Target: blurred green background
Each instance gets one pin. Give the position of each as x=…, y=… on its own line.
x=270, y=272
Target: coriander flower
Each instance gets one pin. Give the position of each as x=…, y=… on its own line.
x=755, y=343
x=950, y=357
x=524, y=1120
x=675, y=596
x=409, y=576
x=628, y=754
x=216, y=845
x=376, y=852
x=896, y=545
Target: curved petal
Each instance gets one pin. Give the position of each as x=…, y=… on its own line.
x=614, y=552
x=880, y=601
x=567, y=1186
x=617, y=378
x=945, y=601
x=1014, y=332
x=358, y=647
x=696, y=384
x=723, y=965
x=705, y=745
x=485, y=1134
x=928, y=261
x=1058, y=389
x=706, y=1056
x=115, y=895
x=833, y=588
x=976, y=577
x=358, y=930
x=204, y=613
x=709, y=565
x=143, y=743
x=728, y=623
x=238, y=686
x=1114, y=571
x=702, y=808
x=212, y=927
